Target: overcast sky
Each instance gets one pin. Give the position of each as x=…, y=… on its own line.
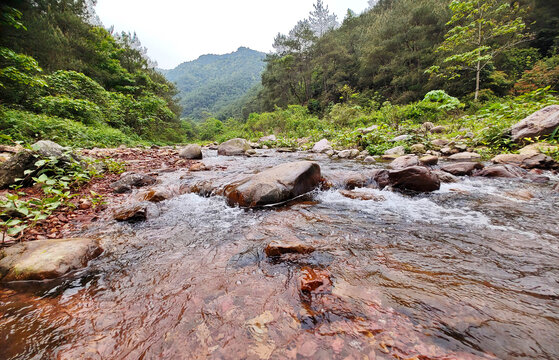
x=175, y=31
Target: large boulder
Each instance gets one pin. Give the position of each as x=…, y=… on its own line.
x=502, y=171
x=404, y=162
x=415, y=178
x=233, y=147
x=191, y=152
x=14, y=168
x=49, y=148
x=540, y=123
x=322, y=146
x=527, y=160
x=275, y=185
x=46, y=259
x=462, y=168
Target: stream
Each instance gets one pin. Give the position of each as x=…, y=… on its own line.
x=467, y=272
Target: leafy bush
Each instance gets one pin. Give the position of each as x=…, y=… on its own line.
x=28, y=127
x=80, y=110
x=544, y=74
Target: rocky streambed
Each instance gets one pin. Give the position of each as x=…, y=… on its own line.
x=324, y=258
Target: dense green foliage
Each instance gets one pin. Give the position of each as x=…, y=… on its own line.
x=212, y=84
x=53, y=61
x=385, y=52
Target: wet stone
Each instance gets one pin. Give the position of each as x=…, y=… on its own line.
x=46, y=259
x=131, y=213
x=130, y=180
x=429, y=160
x=280, y=247
x=357, y=195
x=314, y=281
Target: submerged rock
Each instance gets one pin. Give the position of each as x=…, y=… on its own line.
x=233, y=147
x=278, y=248
x=322, y=146
x=415, y=178
x=46, y=259
x=192, y=152
x=540, y=123
x=130, y=180
x=314, y=281
x=275, y=185
x=358, y=195
x=462, y=168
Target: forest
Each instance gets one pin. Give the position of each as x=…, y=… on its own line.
x=397, y=64
x=66, y=78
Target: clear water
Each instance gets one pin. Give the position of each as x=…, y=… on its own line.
x=467, y=272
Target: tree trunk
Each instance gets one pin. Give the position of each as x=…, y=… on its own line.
x=478, y=72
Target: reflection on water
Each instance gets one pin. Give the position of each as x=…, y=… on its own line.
x=468, y=272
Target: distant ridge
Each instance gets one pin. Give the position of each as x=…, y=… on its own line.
x=212, y=82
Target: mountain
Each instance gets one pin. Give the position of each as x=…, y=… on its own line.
x=211, y=83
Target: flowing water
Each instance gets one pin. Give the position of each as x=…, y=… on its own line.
x=467, y=272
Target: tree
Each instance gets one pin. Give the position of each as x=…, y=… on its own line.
x=481, y=30
x=320, y=20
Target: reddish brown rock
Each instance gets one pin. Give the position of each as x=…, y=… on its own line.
x=131, y=213
x=155, y=195
x=415, y=178
x=462, y=168
x=314, y=281
x=199, y=167
x=356, y=195
x=278, y=248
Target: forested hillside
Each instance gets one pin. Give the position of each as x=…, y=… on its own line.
x=64, y=78
x=211, y=84
x=385, y=53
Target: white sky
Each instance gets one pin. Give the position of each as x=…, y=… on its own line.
x=175, y=31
